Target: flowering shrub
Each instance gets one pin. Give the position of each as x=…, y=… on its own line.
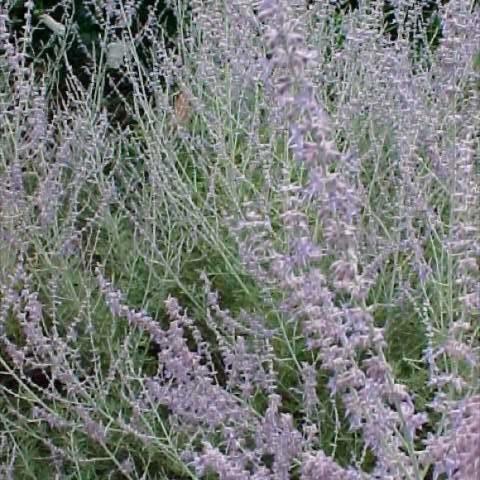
x=273, y=274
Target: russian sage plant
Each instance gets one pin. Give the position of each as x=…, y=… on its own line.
x=269, y=272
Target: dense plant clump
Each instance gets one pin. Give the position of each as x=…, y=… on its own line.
x=267, y=268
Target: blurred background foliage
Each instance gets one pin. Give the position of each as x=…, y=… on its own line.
x=85, y=41
x=88, y=30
